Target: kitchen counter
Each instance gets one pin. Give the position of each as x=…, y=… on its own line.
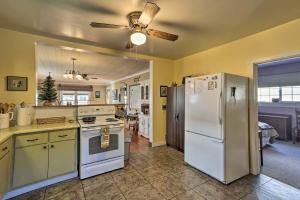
x=6, y=133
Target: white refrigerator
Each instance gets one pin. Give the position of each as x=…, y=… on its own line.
x=216, y=125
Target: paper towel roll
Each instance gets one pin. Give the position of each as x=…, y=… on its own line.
x=24, y=116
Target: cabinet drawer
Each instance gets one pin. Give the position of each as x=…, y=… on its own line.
x=4, y=148
x=69, y=134
x=31, y=139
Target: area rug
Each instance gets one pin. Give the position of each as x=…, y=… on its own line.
x=282, y=162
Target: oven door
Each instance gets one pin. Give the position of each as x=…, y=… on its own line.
x=90, y=140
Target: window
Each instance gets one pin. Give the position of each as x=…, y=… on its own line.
x=291, y=93
x=267, y=94
x=75, y=97
x=283, y=94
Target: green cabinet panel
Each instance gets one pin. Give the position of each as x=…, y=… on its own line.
x=31, y=165
x=62, y=158
x=4, y=174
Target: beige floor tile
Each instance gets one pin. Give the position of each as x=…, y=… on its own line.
x=95, y=180
x=238, y=188
x=169, y=187
x=154, y=173
x=106, y=190
x=190, y=178
x=68, y=190
x=211, y=191
x=189, y=195
x=145, y=192
x=34, y=195
x=129, y=181
x=258, y=180
x=127, y=169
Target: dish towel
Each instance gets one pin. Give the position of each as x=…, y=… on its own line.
x=104, y=133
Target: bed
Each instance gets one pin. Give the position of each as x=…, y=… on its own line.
x=268, y=133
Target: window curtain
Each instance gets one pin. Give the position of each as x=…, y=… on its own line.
x=290, y=79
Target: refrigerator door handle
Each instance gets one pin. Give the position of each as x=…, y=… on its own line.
x=220, y=108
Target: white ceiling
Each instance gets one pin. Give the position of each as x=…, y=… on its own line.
x=200, y=24
x=102, y=69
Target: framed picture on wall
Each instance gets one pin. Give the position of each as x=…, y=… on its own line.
x=16, y=83
x=163, y=91
x=97, y=94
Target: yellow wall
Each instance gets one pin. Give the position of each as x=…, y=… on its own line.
x=102, y=99
x=238, y=57
x=17, y=57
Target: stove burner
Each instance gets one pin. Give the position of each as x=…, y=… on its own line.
x=89, y=120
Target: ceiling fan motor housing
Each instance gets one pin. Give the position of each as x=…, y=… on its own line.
x=133, y=20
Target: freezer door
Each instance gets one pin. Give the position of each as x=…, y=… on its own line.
x=204, y=106
x=205, y=154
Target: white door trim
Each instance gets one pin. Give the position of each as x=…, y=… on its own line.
x=151, y=103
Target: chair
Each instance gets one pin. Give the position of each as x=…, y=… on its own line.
x=296, y=132
x=133, y=125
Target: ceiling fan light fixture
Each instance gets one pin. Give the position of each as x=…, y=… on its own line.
x=78, y=76
x=138, y=38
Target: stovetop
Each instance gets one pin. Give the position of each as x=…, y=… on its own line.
x=101, y=122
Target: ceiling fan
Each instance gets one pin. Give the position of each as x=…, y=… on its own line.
x=138, y=23
x=91, y=76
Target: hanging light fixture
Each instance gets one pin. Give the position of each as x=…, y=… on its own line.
x=72, y=74
x=138, y=38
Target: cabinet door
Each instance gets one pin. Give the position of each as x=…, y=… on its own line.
x=62, y=158
x=4, y=174
x=31, y=165
x=180, y=117
x=171, y=117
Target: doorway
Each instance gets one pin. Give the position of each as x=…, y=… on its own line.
x=278, y=100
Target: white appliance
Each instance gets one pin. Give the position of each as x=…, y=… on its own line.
x=144, y=125
x=94, y=159
x=216, y=125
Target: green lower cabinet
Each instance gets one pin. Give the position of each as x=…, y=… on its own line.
x=31, y=165
x=4, y=174
x=62, y=158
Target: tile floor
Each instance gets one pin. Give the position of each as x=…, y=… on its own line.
x=160, y=173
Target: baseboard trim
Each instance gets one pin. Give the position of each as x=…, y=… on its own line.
x=157, y=144
x=38, y=185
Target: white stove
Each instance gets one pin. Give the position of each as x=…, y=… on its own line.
x=95, y=160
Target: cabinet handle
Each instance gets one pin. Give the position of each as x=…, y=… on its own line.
x=52, y=146
x=62, y=136
x=33, y=140
x=44, y=147
x=5, y=148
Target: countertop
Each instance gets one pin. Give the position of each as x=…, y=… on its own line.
x=6, y=133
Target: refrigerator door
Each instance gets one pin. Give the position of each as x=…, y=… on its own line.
x=204, y=106
x=205, y=154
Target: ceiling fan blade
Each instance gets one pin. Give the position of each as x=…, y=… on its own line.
x=149, y=12
x=163, y=35
x=129, y=45
x=103, y=25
